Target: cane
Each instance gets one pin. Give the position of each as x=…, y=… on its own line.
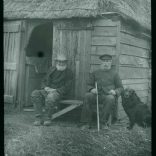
x=97, y=107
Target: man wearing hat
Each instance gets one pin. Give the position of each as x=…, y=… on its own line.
x=55, y=86
x=109, y=88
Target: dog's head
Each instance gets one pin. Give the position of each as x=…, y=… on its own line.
x=128, y=92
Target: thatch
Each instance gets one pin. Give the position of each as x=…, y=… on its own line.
x=138, y=10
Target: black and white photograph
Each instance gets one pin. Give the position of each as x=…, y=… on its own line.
x=77, y=77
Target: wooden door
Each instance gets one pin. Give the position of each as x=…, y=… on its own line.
x=74, y=39
x=12, y=41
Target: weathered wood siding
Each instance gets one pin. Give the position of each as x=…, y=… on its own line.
x=74, y=39
x=104, y=41
x=12, y=40
x=134, y=61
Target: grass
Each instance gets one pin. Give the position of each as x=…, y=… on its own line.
x=64, y=138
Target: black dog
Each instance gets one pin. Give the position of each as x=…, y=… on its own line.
x=137, y=111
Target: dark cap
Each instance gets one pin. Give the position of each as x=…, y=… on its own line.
x=105, y=57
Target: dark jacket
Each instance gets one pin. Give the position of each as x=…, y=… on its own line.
x=106, y=80
x=62, y=81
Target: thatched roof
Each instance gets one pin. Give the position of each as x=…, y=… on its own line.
x=138, y=10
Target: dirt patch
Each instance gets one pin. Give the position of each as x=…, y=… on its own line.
x=64, y=138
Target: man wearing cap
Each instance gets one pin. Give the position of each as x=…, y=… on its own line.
x=109, y=88
x=55, y=86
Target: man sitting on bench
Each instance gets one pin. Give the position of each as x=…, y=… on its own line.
x=55, y=86
x=109, y=88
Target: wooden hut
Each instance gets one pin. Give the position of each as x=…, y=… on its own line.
x=36, y=30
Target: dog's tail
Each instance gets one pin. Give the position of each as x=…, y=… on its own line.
x=148, y=120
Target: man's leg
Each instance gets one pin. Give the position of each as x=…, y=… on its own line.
x=37, y=99
x=87, y=109
x=108, y=103
x=50, y=102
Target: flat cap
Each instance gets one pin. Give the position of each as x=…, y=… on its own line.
x=105, y=57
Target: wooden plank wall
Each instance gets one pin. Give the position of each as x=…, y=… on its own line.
x=104, y=41
x=134, y=61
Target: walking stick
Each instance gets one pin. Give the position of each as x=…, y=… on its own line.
x=97, y=107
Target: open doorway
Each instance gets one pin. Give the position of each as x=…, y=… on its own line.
x=38, y=58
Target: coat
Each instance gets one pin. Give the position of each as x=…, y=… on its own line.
x=106, y=80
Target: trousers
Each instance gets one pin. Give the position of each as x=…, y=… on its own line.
x=107, y=107
x=41, y=98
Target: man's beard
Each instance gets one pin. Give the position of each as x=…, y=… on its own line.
x=61, y=68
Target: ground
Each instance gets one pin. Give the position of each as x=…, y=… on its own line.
x=64, y=138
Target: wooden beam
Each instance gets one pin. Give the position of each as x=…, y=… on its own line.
x=135, y=41
x=134, y=51
x=74, y=25
x=128, y=72
x=63, y=111
x=118, y=49
x=22, y=67
x=133, y=61
x=94, y=67
x=77, y=70
x=104, y=22
x=95, y=60
x=137, y=87
x=100, y=50
x=11, y=28
x=10, y=66
x=104, y=41
x=8, y=99
x=135, y=81
x=104, y=31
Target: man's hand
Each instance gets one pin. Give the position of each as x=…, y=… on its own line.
x=94, y=91
x=112, y=92
x=48, y=89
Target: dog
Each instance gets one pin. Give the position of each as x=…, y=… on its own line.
x=137, y=112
